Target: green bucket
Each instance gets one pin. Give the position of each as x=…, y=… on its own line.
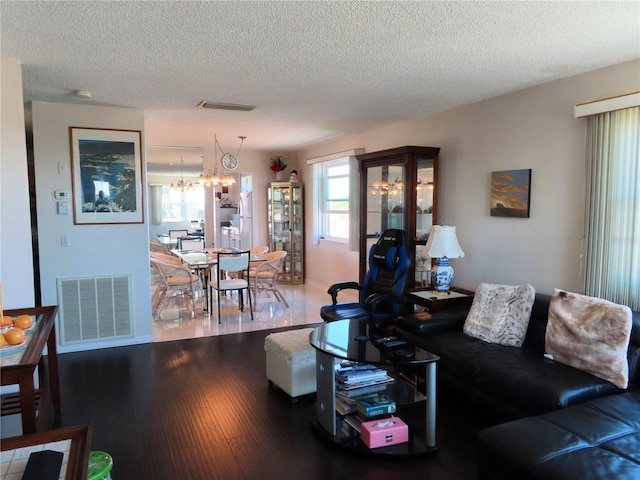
x=100, y=464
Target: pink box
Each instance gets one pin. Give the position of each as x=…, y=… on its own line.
x=383, y=432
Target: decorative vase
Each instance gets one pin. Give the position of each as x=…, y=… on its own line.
x=279, y=176
x=442, y=276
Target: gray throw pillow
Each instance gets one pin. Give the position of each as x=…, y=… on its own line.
x=500, y=313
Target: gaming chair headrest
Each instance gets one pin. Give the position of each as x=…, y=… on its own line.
x=385, y=251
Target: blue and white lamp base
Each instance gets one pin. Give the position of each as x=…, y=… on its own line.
x=442, y=276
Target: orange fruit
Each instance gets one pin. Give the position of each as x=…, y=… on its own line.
x=3, y=342
x=7, y=321
x=23, y=321
x=14, y=336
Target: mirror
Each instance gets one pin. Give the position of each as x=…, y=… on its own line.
x=170, y=209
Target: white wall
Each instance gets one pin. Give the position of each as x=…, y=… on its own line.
x=95, y=249
x=16, y=259
x=532, y=128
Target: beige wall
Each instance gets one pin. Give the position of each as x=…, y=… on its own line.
x=16, y=263
x=95, y=250
x=532, y=128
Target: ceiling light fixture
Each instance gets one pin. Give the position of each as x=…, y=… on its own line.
x=210, y=177
x=226, y=106
x=181, y=185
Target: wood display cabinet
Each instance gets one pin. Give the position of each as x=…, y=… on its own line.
x=399, y=189
x=285, y=210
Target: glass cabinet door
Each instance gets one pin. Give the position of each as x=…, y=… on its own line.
x=286, y=222
x=385, y=200
x=398, y=190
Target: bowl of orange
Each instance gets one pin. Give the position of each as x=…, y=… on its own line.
x=23, y=322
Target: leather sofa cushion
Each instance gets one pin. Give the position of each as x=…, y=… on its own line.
x=519, y=376
x=599, y=439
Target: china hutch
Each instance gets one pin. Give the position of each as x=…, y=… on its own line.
x=399, y=189
x=285, y=210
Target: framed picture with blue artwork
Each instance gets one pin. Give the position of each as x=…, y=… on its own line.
x=511, y=193
x=106, y=172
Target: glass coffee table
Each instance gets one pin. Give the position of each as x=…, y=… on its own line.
x=352, y=341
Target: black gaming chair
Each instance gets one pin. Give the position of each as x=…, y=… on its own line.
x=383, y=286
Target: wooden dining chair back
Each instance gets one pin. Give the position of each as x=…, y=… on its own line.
x=264, y=277
x=232, y=274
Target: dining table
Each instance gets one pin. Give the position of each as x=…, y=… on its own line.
x=203, y=262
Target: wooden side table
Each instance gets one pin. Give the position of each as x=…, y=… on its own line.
x=73, y=442
x=19, y=369
x=457, y=298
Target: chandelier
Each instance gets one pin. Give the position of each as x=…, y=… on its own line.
x=385, y=188
x=181, y=185
x=213, y=177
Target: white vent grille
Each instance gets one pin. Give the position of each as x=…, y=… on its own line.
x=94, y=308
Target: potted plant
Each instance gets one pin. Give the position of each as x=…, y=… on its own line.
x=278, y=166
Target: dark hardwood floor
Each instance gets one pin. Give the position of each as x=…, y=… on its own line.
x=202, y=409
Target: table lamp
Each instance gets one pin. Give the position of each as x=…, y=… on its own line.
x=443, y=245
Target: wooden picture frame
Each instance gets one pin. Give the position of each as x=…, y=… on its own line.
x=106, y=172
x=511, y=193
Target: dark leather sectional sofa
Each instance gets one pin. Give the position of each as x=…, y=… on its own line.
x=565, y=419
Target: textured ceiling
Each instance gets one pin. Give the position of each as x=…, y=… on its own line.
x=314, y=70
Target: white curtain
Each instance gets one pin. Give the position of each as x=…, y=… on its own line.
x=613, y=207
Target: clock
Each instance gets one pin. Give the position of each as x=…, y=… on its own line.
x=230, y=161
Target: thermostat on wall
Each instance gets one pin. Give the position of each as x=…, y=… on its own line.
x=62, y=195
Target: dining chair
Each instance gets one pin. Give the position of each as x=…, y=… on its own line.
x=193, y=244
x=257, y=251
x=232, y=274
x=175, y=234
x=175, y=276
x=155, y=246
x=264, y=277
x=262, y=249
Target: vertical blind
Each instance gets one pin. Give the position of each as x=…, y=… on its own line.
x=613, y=207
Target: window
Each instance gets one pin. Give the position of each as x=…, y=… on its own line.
x=613, y=207
x=334, y=200
x=336, y=184
x=180, y=206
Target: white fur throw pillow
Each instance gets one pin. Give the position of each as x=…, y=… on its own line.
x=590, y=334
x=500, y=313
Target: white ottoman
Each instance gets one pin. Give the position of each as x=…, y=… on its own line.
x=291, y=361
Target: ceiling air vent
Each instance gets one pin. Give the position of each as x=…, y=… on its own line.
x=226, y=106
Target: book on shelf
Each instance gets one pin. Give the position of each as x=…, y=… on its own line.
x=377, y=406
x=354, y=422
x=360, y=375
x=355, y=393
x=365, y=383
x=343, y=407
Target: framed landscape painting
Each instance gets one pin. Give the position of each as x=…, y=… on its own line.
x=510, y=193
x=106, y=171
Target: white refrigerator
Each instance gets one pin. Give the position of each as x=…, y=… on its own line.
x=245, y=220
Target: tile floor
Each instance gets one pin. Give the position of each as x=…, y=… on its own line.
x=176, y=322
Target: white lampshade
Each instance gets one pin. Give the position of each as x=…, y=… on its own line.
x=443, y=242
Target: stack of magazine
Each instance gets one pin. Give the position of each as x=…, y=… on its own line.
x=359, y=389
